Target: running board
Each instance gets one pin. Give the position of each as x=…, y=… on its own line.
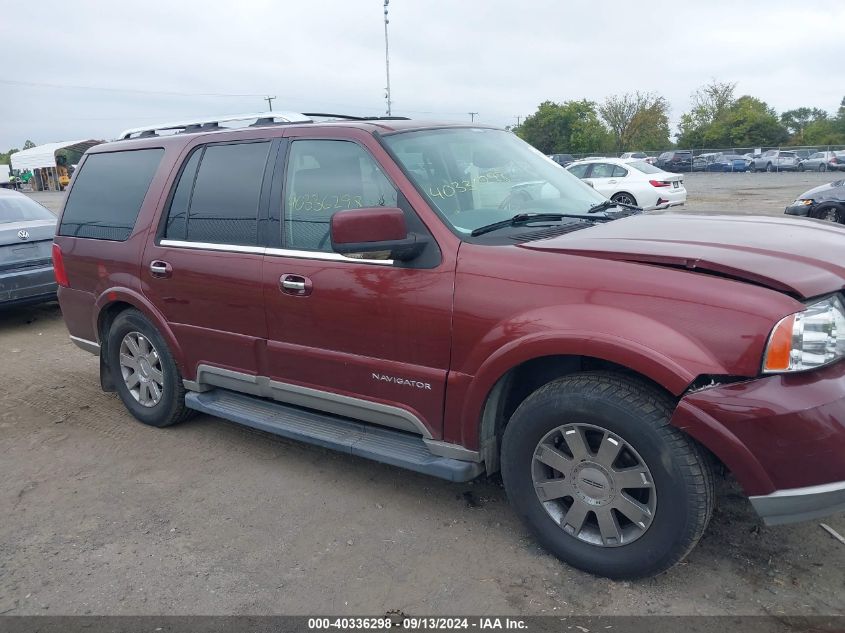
x=330, y=431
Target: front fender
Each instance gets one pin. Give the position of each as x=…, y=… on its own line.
x=642, y=344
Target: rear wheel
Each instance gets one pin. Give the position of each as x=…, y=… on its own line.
x=624, y=198
x=769, y=167
x=800, y=166
x=592, y=466
x=822, y=167
x=144, y=372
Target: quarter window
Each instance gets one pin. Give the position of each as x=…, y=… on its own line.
x=108, y=193
x=324, y=177
x=619, y=172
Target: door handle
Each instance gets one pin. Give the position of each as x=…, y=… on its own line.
x=159, y=268
x=295, y=285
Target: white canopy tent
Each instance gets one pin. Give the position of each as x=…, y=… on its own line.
x=45, y=155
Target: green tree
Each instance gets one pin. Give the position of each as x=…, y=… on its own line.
x=637, y=120
x=797, y=120
x=6, y=158
x=751, y=122
x=718, y=120
x=709, y=104
x=28, y=144
x=572, y=126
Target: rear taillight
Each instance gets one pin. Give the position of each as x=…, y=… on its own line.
x=59, y=267
x=660, y=183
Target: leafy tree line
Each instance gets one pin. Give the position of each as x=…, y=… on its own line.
x=639, y=121
x=6, y=158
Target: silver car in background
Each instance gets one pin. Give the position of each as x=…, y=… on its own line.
x=776, y=160
x=26, y=245
x=823, y=161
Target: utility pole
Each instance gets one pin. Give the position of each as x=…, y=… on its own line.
x=269, y=101
x=472, y=116
x=517, y=117
x=387, y=58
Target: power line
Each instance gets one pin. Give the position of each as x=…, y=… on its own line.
x=16, y=82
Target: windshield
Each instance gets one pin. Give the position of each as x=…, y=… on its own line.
x=22, y=209
x=476, y=176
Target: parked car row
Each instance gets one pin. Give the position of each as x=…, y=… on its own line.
x=773, y=160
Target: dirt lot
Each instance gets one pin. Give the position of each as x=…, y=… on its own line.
x=103, y=515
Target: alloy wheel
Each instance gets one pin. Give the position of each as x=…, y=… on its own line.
x=594, y=485
x=831, y=215
x=623, y=198
x=140, y=367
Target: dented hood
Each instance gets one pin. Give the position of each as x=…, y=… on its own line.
x=804, y=258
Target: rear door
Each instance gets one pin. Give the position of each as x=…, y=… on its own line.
x=203, y=271
x=601, y=177
x=367, y=338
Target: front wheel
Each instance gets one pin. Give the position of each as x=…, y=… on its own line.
x=769, y=167
x=592, y=466
x=822, y=167
x=831, y=214
x=801, y=167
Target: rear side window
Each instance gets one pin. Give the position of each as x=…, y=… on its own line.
x=106, y=198
x=619, y=172
x=224, y=206
x=216, y=199
x=579, y=170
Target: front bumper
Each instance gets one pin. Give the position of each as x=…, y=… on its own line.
x=800, y=504
x=782, y=436
x=802, y=210
x=27, y=285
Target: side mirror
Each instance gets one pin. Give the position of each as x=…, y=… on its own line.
x=373, y=230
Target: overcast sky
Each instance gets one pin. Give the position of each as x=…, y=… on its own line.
x=499, y=58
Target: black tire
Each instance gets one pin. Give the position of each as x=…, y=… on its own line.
x=822, y=167
x=638, y=414
x=769, y=167
x=623, y=197
x=170, y=409
x=801, y=167
x=830, y=213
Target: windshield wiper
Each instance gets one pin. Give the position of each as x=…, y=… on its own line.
x=609, y=204
x=523, y=218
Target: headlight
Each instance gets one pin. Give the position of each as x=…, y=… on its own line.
x=802, y=202
x=807, y=339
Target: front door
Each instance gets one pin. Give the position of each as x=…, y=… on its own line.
x=203, y=273
x=367, y=338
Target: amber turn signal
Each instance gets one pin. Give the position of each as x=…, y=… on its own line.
x=779, y=350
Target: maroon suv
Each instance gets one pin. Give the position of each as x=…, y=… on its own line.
x=446, y=299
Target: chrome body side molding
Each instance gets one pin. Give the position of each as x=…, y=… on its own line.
x=347, y=406
x=273, y=252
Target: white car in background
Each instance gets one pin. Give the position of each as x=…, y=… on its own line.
x=638, y=156
x=633, y=182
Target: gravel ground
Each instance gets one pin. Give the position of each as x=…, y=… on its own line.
x=103, y=515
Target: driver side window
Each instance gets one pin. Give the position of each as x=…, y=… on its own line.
x=324, y=177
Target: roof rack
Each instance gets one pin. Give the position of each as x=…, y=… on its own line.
x=259, y=119
x=213, y=123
